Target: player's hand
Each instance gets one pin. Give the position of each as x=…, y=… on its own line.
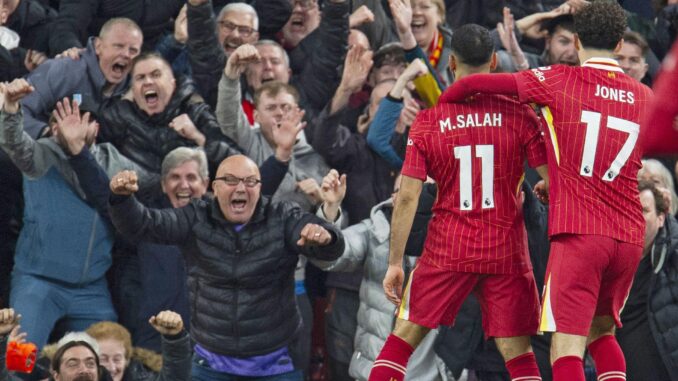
x=8, y=320
x=541, y=190
x=167, y=323
x=393, y=284
x=124, y=183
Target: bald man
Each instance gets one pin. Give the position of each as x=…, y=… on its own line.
x=99, y=74
x=243, y=250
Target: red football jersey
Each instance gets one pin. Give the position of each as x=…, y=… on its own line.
x=593, y=115
x=475, y=151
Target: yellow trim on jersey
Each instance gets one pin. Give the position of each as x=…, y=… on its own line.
x=547, y=322
x=520, y=183
x=404, y=309
x=546, y=111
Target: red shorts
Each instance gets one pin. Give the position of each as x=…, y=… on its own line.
x=509, y=302
x=586, y=276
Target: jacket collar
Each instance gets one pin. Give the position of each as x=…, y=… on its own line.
x=602, y=63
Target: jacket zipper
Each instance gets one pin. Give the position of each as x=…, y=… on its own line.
x=92, y=235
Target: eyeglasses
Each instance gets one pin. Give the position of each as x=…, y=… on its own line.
x=243, y=30
x=304, y=4
x=231, y=180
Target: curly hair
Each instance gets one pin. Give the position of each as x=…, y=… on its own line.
x=660, y=204
x=472, y=45
x=600, y=25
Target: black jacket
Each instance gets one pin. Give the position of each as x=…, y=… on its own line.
x=79, y=19
x=207, y=57
x=241, y=283
x=316, y=81
x=663, y=296
x=147, y=139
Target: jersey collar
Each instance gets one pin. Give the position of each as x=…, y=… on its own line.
x=602, y=63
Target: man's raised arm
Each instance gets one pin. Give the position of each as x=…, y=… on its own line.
x=504, y=84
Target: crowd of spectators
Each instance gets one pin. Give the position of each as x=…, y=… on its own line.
x=234, y=164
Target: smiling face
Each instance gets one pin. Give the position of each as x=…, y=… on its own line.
x=153, y=85
x=425, y=20
x=113, y=357
x=183, y=183
x=632, y=61
x=305, y=19
x=236, y=28
x=116, y=49
x=237, y=202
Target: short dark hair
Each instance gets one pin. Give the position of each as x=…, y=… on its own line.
x=148, y=56
x=389, y=54
x=59, y=354
x=472, y=44
x=660, y=203
x=601, y=24
x=563, y=21
x=635, y=38
x=273, y=88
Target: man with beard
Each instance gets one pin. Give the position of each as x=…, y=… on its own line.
x=99, y=75
x=558, y=45
x=74, y=361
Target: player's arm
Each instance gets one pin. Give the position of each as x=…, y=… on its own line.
x=401, y=223
x=463, y=88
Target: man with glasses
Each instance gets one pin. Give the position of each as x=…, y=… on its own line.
x=211, y=39
x=275, y=103
x=243, y=250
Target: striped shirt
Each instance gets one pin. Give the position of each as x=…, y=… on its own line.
x=593, y=115
x=475, y=151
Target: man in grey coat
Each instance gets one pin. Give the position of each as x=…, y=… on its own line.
x=367, y=244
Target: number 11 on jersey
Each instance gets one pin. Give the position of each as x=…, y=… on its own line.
x=486, y=154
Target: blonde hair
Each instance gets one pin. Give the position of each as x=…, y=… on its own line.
x=109, y=330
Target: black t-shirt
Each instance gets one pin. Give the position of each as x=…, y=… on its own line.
x=643, y=361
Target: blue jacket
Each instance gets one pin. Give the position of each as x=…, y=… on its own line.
x=381, y=130
x=64, y=77
x=73, y=248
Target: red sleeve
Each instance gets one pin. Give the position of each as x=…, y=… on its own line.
x=659, y=133
x=465, y=87
x=537, y=85
x=415, y=158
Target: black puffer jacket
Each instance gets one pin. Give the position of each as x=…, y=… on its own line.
x=241, y=282
x=663, y=296
x=147, y=139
